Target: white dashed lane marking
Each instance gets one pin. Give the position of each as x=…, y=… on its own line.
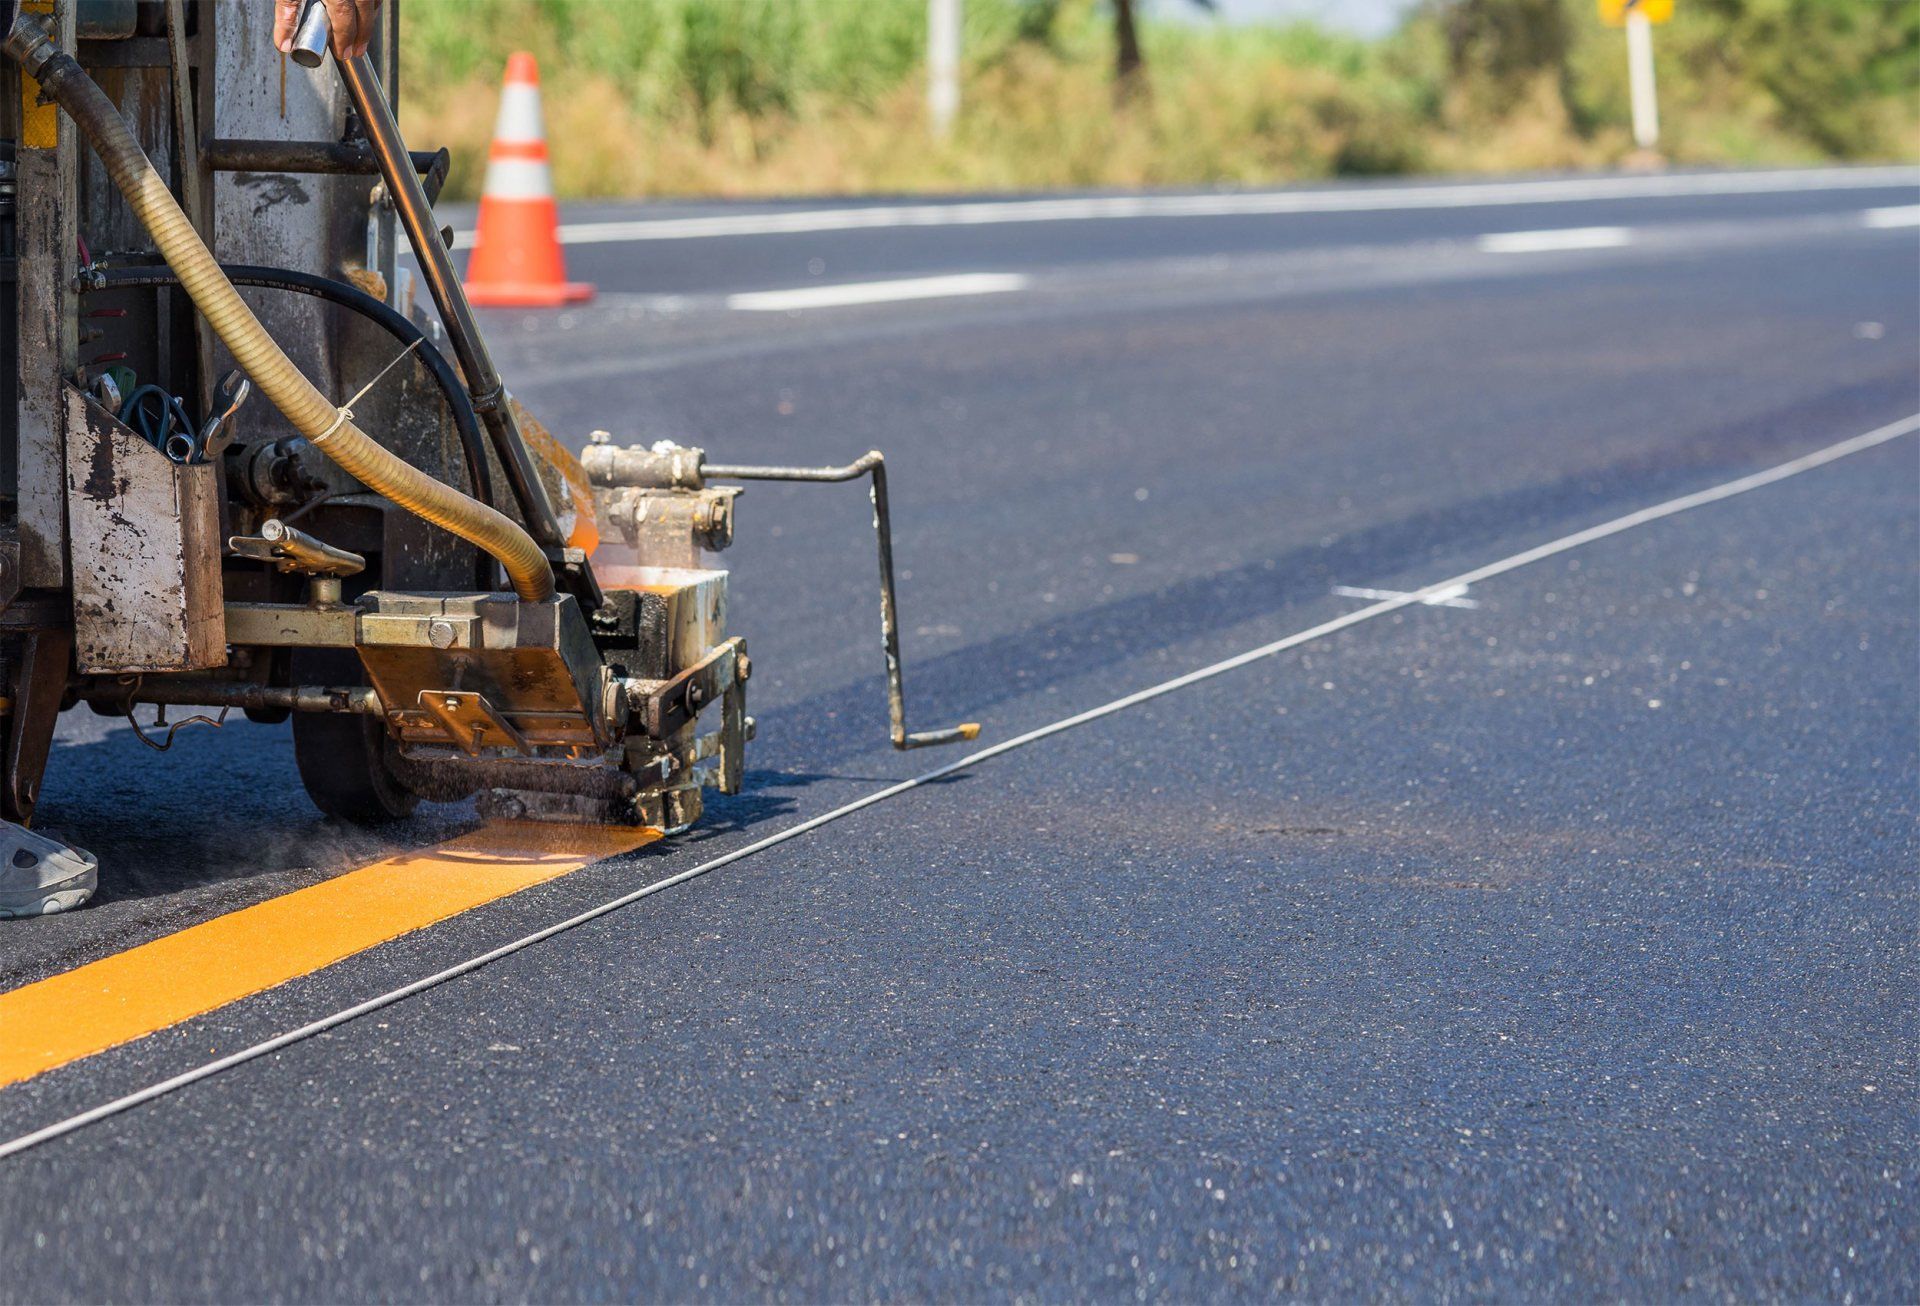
x=1905, y=215
x=877, y=292
x=1539, y=242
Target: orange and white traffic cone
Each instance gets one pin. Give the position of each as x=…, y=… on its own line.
x=516, y=247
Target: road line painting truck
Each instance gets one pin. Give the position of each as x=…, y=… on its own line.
x=193, y=523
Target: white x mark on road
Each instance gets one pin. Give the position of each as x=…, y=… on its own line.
x=1454, y=596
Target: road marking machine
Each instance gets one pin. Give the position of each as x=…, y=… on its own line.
x=193, y=522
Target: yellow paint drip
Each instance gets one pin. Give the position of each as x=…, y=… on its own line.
x=134, y=993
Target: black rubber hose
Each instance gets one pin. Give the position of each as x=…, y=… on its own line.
x=352, y=298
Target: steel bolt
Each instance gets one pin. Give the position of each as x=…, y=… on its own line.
x=440, y=634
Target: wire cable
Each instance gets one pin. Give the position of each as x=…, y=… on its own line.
x=1513, y=562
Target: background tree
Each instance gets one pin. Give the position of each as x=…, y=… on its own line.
x=1129, y=65
x=1819, y=60
x=1129, y=61
x=1499, y=51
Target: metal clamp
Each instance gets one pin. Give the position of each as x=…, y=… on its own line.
x=216, y=433
x=468, y=718
x=294, y=550
x=663, y=706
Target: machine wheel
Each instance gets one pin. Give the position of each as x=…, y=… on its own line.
x=345, y=759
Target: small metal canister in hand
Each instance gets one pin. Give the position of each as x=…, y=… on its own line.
x=311, y=36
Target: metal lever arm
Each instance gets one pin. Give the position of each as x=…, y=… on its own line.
x=410, y=202
x=436, y=269
x=874, y=464
x=295, y=550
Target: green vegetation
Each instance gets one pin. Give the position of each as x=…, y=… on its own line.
x=651, y=97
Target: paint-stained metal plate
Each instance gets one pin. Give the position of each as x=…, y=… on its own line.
x=145, y=535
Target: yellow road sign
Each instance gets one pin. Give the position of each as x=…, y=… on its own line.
x=1614, y=12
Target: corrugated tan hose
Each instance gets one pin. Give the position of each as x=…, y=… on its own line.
x=312, y=413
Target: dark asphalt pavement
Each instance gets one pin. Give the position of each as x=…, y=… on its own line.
x=1556, y=947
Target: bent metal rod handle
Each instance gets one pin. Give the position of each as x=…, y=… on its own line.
x=410, y=202
x=871, y=464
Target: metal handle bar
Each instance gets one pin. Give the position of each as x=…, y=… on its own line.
x=873, y=464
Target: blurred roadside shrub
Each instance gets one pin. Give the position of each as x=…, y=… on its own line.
x=1740, y=81
x=654, y=97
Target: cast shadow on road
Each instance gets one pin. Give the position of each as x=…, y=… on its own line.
x=761, y=800
x=221, y=806
x=845, y=722
x=165, y=824
x=227, y=809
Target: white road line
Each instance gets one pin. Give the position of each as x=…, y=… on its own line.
x=1451, y=598
x=1539, y=242
x=1905, y=215
x=877, y=292
x=1359, y=199
x=1513, y=562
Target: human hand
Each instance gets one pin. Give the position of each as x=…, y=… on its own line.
x=352, y=23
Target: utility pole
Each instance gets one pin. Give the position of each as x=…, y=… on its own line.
x=1646, y=105
x=943, y=64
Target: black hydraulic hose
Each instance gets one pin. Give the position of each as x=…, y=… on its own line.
x=352, y=298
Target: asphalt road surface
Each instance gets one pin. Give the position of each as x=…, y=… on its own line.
x=1551, y=939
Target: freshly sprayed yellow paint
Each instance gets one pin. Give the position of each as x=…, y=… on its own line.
x=134, y=993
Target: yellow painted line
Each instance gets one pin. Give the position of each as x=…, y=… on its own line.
x=134, y=993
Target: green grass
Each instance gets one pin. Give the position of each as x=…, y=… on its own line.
x=658, y=97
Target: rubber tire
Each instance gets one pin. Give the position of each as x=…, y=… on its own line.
x=343, y=757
